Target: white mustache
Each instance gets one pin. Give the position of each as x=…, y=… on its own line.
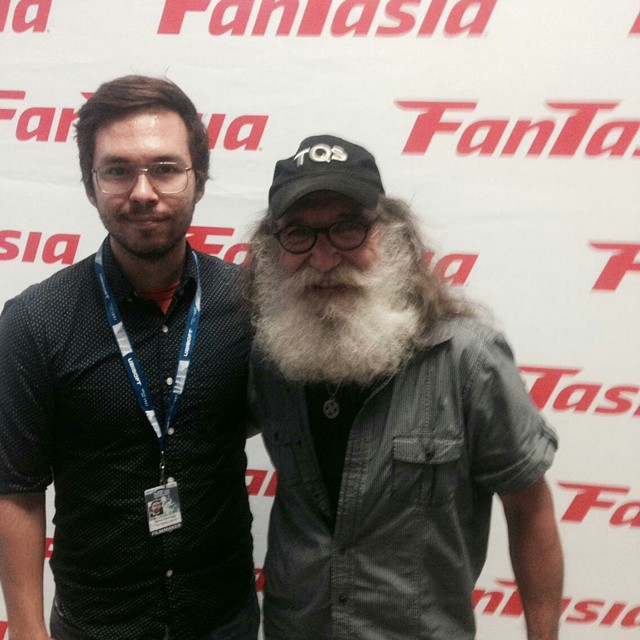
x=341, y=276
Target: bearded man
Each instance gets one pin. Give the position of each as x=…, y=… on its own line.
x=391, y=415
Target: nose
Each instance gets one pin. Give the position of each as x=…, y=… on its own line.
x=324, y=257
x=143, y=190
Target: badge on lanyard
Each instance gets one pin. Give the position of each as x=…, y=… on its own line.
x=162, y=502
x=163, y=508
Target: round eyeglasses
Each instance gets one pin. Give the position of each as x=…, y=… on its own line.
x=345, y=235
x=116, y=179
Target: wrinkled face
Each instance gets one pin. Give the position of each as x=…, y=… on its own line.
x=323, y=259
x=143, y=222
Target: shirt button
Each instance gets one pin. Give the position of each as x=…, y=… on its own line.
x=169, y=573
x=341, y=599
x=170, y=431
x=165, y=329
x=342, y=550
x=169, y=381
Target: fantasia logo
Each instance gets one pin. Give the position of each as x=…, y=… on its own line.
x=619, y=264
x=505, y=136
x=505, y=601
x=24, y=15
x=29, y=246
x=454, y=268
x=203, y=239
x=38, y=123
x=343, y=17
x=42, y=124
x=589, y=497
x=580, y=397
x=261, y=482
x=260, y=580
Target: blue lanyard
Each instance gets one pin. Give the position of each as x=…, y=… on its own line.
x=130, y=359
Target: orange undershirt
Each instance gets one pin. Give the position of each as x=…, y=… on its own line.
x=162, y=297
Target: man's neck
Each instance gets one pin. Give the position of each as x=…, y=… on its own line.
x=150, y=275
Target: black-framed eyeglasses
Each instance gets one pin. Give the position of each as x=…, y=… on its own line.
x=117, y=178
x=344, y=235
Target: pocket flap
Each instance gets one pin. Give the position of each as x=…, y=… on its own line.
x=426, y=450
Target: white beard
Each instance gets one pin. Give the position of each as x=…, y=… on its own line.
x=358, y=336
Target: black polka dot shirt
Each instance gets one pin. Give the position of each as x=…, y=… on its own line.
x=69, y=414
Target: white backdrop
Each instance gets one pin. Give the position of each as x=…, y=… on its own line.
x=510, y=125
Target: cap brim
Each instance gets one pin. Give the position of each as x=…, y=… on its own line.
x=288, y=194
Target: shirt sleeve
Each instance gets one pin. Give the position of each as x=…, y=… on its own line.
x=25, y=404
x=511, y=444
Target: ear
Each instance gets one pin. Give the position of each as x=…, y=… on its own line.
x=198, y=195
x=91, y=194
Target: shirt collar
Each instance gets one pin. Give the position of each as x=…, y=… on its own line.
x=441, y=332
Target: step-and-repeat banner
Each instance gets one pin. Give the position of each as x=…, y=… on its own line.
x=512, y=127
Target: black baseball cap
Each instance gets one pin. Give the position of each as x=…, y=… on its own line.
x=325, y=162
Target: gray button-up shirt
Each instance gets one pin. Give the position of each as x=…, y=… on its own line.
x=425, y=454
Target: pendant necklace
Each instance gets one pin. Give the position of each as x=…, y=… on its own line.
x=331, y=406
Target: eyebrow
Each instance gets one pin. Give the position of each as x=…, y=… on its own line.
x=116, y=159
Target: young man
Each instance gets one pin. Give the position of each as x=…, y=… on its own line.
x=391, y=416
x=123, y=380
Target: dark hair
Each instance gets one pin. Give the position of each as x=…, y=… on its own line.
x=122, y=96
x=425, y=289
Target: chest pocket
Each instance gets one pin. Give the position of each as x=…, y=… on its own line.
x=283, y=449
x=424, y=469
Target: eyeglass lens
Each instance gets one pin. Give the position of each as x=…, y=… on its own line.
x=166, y=177
x=344, y=235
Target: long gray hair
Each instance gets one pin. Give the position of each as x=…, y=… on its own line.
x=424, y=289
